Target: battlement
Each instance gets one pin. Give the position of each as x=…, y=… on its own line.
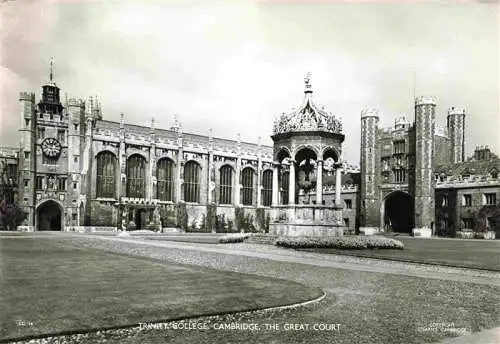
x=456, y=111
x=441, y=131
x=27, y=96
x=401, y=123
x=369, y=113
x=425, y=100
x=76, y=102
x=8, y=152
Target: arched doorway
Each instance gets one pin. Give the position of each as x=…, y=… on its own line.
x=49, y=217
x=399, y=212
x=305, y=174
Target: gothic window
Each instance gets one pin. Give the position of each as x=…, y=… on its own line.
x=348, y=203
x=62, y=184
x=468, y=222
x=164, y=180
x=267, y=188
x=106, y=174
x=136, y=176
x=39, y=183
x=444, y=202
x=399, y=147
x=247, y=178
x=49, y=160
x=41, y=133
x=192, y=182
x=285, y=176
x=490, y=199
x=467, y=200
x=399, y=176
x=60, y=136
x=225, y=184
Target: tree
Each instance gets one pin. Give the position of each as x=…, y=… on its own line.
x=11, y=216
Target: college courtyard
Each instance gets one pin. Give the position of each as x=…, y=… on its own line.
x=146, y=287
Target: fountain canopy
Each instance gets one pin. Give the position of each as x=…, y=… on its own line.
x=308, y=117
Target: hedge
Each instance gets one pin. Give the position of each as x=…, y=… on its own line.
x=233, y=238
x=344, y=242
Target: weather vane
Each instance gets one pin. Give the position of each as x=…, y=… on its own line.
x=307, y=80
x=51, y=68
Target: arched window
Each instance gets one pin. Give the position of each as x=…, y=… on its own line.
x=106, y=175
x=164, y=180
x=192, y=182
x=136, y=176
x=267, y=188
x=285, y=181
x=247, y=179
x=225, y=184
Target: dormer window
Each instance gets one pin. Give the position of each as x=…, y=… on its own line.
x=494, y=173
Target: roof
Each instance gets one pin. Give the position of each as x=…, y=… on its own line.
x=308, y=117
x=139, y=132
x=471, y=167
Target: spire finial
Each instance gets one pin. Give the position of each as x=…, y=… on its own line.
x=307, y=81
x=51, y=69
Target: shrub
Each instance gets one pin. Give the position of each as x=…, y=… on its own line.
x=233, y=238
x=344, y=242
x=12, y=216
x=239, y=218
x=211, y=219
x=182, y=216
x=221, y=224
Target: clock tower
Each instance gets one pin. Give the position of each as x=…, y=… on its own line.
x=45, y=194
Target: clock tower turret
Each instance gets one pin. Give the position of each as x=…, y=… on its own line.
x=50, y=102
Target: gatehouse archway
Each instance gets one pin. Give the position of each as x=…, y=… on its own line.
x=399, y=212
x=49, y=216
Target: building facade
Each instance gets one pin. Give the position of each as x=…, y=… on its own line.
x=414, y=177
x=75, y=169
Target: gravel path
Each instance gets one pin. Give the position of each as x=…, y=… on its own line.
x=180, y=252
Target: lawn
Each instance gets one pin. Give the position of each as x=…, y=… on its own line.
x=479, y=254
x=370, y=307
x=188, y=237
x=53, y=286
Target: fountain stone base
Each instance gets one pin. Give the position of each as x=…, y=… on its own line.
x=307, y=220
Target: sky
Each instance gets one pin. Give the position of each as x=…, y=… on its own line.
x=236, y=66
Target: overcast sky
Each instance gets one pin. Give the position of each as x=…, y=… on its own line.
x=235, y=66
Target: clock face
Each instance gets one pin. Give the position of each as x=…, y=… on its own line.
x=51, y=147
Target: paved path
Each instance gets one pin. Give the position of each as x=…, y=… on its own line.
x=332, y=261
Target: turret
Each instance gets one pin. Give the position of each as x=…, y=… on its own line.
x=368, y=160
x=425, y=109
x=76, y=120
x=27, y=158
x=456, y=130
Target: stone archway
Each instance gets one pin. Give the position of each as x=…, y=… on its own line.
x=399, y=212
x=305, y=167
x=49, y=216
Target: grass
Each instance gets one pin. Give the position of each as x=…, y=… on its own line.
x=484, y=254
x=55, y=287
x=189, y=238
x=370, y=307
